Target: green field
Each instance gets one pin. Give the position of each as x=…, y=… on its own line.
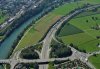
x=42, y=25
x=85, y=40
x=95, y=60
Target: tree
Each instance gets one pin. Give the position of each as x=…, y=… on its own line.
x=96, y=18
x=98, y=44
x=98, y=37
x=71, y=44
x=93, y=18
x=87, y=21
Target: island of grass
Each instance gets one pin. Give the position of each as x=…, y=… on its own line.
x=36, y=32
x=95, y=60
x=83, y=32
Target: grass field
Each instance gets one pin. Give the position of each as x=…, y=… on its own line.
x=42, y=25
x=85, y=40
x=95, y=60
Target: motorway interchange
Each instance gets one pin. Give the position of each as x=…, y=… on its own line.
x=44, y=55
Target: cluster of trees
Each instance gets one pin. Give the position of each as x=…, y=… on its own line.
x=29, y=53
x=60, y=50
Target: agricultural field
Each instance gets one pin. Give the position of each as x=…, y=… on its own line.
x=80, y=31
x=36, y=32
x=95, y=60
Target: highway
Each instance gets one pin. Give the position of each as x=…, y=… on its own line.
x=44, y=56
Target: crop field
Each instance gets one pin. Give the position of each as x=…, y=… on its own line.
x=83, y=36
x=36, y=32
x=95, y=60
